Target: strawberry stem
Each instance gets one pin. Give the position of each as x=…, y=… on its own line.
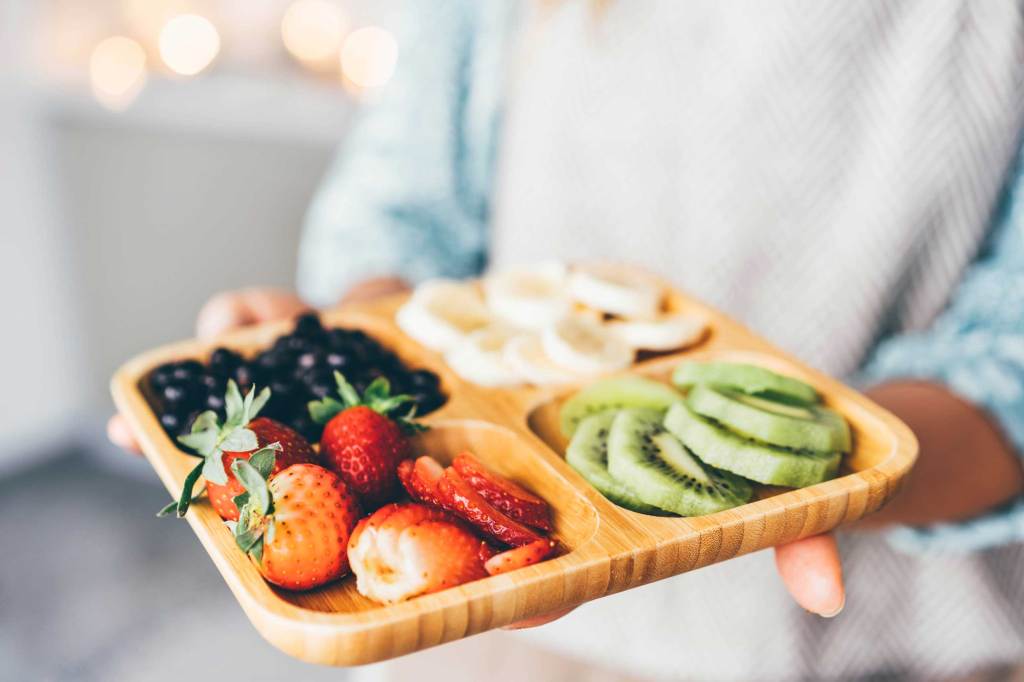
x=377, y=397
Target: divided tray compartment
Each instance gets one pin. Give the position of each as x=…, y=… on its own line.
x=606, y=549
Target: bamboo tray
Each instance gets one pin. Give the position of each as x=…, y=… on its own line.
x=514, y=431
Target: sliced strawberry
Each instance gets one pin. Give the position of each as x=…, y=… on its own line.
x=460, y=498
x=507, y=496
x=420, y=477
x=520, y=556
x=404, y=550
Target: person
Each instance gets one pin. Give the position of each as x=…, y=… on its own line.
x=839, y=176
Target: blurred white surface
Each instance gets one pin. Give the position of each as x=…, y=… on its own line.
x=118, y=224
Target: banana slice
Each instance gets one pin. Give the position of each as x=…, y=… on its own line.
x=479, y=357
x=531, y=297
x=663, y=333
x=441, y=313
x=581, y=345
x=525, y=355
x=615, y=290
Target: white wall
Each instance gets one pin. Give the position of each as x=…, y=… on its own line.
x=40, y=360
x=115, y=227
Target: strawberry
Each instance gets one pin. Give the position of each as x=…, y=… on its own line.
x=405, y=550
x=509, y=497
x=525, y=555
x=457, y=496
x=419, y=477
x=238, y=437
x=296, y=528
x=361, y=441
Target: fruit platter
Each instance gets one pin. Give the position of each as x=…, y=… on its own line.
x=397, y=474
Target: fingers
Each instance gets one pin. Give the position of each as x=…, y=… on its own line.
x=811, y=570
x=120, y=434
x=538, y=620
x=232, y=309
x=221, y=313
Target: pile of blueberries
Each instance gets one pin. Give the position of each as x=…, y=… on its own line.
x=298, y=367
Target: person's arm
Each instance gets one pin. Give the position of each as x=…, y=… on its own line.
x=399, y=199
x=960, y=387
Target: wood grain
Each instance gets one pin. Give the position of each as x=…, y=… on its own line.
x=514, y=431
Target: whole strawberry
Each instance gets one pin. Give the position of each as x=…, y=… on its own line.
x=238, y=437
x=361, y=440
x=296, y=527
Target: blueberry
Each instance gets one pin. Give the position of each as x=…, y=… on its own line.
x=161, y=376
x=322, y=389
x=306, y=426
x=309, y=359
x=294, y=344
x=308, y=326
x=186, y=370
x=336, y=360
x=215, y=402
x=223, y=360
x=176, y=394
x=339, y=339
x=243, y=375
x=210, y=383
x=423, y=379
x=171, y=422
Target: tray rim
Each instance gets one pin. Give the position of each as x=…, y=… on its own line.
x=606, y=562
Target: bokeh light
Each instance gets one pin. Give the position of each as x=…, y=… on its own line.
x=117, y=71
x=312, y=31
x=188, y=44
x=368, y=57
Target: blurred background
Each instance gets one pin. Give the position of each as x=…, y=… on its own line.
x=141, y=140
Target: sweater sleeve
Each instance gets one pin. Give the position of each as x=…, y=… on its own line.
x=976, y=349
x=395, y=201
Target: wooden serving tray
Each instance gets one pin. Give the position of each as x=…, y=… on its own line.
x=515, y=432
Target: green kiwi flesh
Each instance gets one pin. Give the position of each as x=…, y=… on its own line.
x=650, y=461
x=588, y=454
x=797, y=427
x=717, y=446
x=749, y=379
x=615, y=392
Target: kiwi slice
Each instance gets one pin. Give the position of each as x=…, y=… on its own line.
x=749, y=379
x=588, y=454
x=799, y=427
x=663, y=472
x=769, y=464
x=616, y=392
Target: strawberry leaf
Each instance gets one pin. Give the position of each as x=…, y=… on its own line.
x=256, y=551
x=254, y=484
x=378, y=390
x=205, y=421
x=186, y=491
x=346, y=390
x=213, y=469
x=258, y=403
x=233, y=405
x=247, y=539
x=322, y=411
x=263, y=460
x=203, y=442
x=240, y=440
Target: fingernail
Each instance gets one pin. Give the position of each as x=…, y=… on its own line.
x=837, y=611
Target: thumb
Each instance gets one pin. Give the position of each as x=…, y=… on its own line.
x=811, y=571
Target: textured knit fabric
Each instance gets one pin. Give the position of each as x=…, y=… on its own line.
x=826, y=172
